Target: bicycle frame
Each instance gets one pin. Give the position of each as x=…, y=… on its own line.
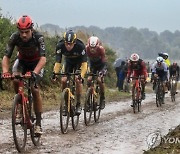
x=24, y=100
x=68, y=105
x=25, y=120
x=136, y=94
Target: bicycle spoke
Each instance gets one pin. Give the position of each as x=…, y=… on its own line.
x=18, y=126
x=64, y=112
x=88, y=107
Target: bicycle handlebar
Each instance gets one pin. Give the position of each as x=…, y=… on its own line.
x=137, y=77
x=28, y=75
x=67, y=74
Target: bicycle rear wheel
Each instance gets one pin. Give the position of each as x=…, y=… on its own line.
x=35, y=138
x=19, y=128
x=96, y=105
x=64, y=112
x=173, y=92
x=74, y=116
x=88, y=107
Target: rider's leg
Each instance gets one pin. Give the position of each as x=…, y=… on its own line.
x=143, y=89
x=37, y=108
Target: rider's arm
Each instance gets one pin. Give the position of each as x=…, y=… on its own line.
x=144, y=69
x=102, y=50
x=40, y=65
x=129, y=70
x=5, y=64
x=83, y=69
x=42, y=50
x=8, y=53
x=57, y=65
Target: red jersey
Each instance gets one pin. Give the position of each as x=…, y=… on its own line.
x=96, y=54
x=138, y=69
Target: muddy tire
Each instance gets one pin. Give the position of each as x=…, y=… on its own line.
x=19, y=128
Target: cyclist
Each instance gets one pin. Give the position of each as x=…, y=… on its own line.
x=165, y=56
x=174, y=71
x=96, y=55
x=75, y=59
x=31, y=57
x=159, y=69
x=136, y=68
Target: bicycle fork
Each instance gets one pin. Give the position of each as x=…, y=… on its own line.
x=70, y=95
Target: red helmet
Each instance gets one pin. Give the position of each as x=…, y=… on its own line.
x=24, y=22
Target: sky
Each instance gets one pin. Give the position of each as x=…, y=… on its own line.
x=156, y=15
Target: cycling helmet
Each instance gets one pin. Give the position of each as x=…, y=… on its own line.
x=93, y=41
x=159, y=59
x=166, y=54
x=69, y=37
x=134, y=57
x=24, y=22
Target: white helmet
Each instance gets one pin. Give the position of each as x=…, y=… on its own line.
x=93, y=41
x=166, y=54
x=134, y=57
x=159, y=59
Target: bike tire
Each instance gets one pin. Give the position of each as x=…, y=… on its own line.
x=173, y=92
x=96, y=105
x=88, y=107
x=19, y=128
x=135, y=100
x=157, y=99
x=35, y=138
x=64, y=118
x=74, y=116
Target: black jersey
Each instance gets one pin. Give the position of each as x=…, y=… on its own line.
x=76, y=55
x=27, y=51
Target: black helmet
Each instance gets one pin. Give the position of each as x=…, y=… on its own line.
x=69, y=37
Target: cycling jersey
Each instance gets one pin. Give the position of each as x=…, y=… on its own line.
x=27, y=51
x=138, y=69
x=167, y=61
x=174, y=71
x=76, y=55
x=74, y=59
x=161, y=70
x=96, y=57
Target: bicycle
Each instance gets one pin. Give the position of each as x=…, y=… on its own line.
x=68, y=103
x=173, y=85
x=92, y=100
x=137, y=94
x=159, y=90
x=23, y=116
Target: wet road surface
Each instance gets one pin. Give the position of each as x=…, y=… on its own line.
x=119, y=130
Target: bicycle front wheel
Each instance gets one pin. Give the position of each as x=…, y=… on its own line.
x=136, y=104
x=19, y=128
x=35, y=138
x=64, y=111
x=173, y=92
x=96, y=105
x=74, y=116
x=88, y=107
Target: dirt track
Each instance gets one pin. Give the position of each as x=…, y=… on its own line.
x=118, y=131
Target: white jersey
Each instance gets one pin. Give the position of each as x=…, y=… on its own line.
x=159, y=68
